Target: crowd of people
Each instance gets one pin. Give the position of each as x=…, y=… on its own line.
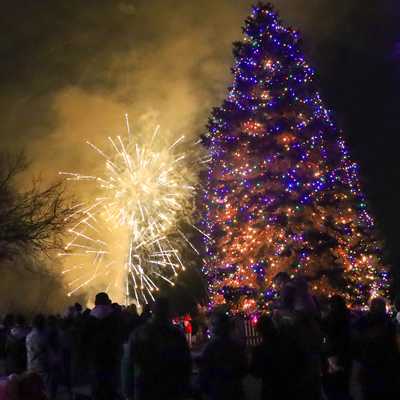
x=304, y=353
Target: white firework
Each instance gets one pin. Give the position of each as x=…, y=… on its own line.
x=143, y=194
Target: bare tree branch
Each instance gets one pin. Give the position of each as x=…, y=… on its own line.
x=33, y=222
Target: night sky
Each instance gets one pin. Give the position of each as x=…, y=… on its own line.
x=71, y=70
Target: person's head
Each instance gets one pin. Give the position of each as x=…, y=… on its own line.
x=78, y=308
x=28, y=386
x=377, y=306
x=219, y=324
x=116, y=307
x=337, y=303
x=20, y=320
x=86, y=312
x=8, y=320
x=39, y=321
x=102, y=299
x=132, y=308
x=70, y=312
x=146, y=309
x=52, y=321
x=161, y=308
x=280, y=280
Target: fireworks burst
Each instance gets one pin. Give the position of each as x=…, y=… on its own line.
x=128, y=234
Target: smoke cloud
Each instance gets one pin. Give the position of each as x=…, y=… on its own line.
x=76, y=68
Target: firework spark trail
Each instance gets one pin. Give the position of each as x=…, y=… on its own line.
x=142, y=194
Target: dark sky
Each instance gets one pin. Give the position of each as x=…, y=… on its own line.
x=358, y=69
x=70, y=70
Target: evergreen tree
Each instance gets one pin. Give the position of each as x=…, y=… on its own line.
x=282, y=192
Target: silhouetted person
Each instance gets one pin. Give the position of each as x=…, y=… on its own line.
x=81, y=335
x=102, y=306
x=106, y=347
x=132, y=319
x=28, y=386
x=187, y=322
x=51, y=330
x=377, y=352
x=279, y=362
x=223, y=363
x=338, y=349
x=294, y=296
x=116, y=308
x=65, y=325
x=39, y=352
x=16, y=346
x=8, y=322
x=146, y=313
x=5, y=327
x=86, y=312
x=78, y=309
x=156, y=364
x=38, y=346
x=296, y=317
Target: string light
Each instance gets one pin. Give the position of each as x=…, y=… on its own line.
x=282, y=192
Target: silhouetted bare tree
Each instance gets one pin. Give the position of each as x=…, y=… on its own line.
x=34, y=221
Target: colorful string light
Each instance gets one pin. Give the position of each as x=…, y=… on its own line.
x=282, y=192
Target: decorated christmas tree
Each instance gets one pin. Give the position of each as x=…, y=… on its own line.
x=282, y=192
